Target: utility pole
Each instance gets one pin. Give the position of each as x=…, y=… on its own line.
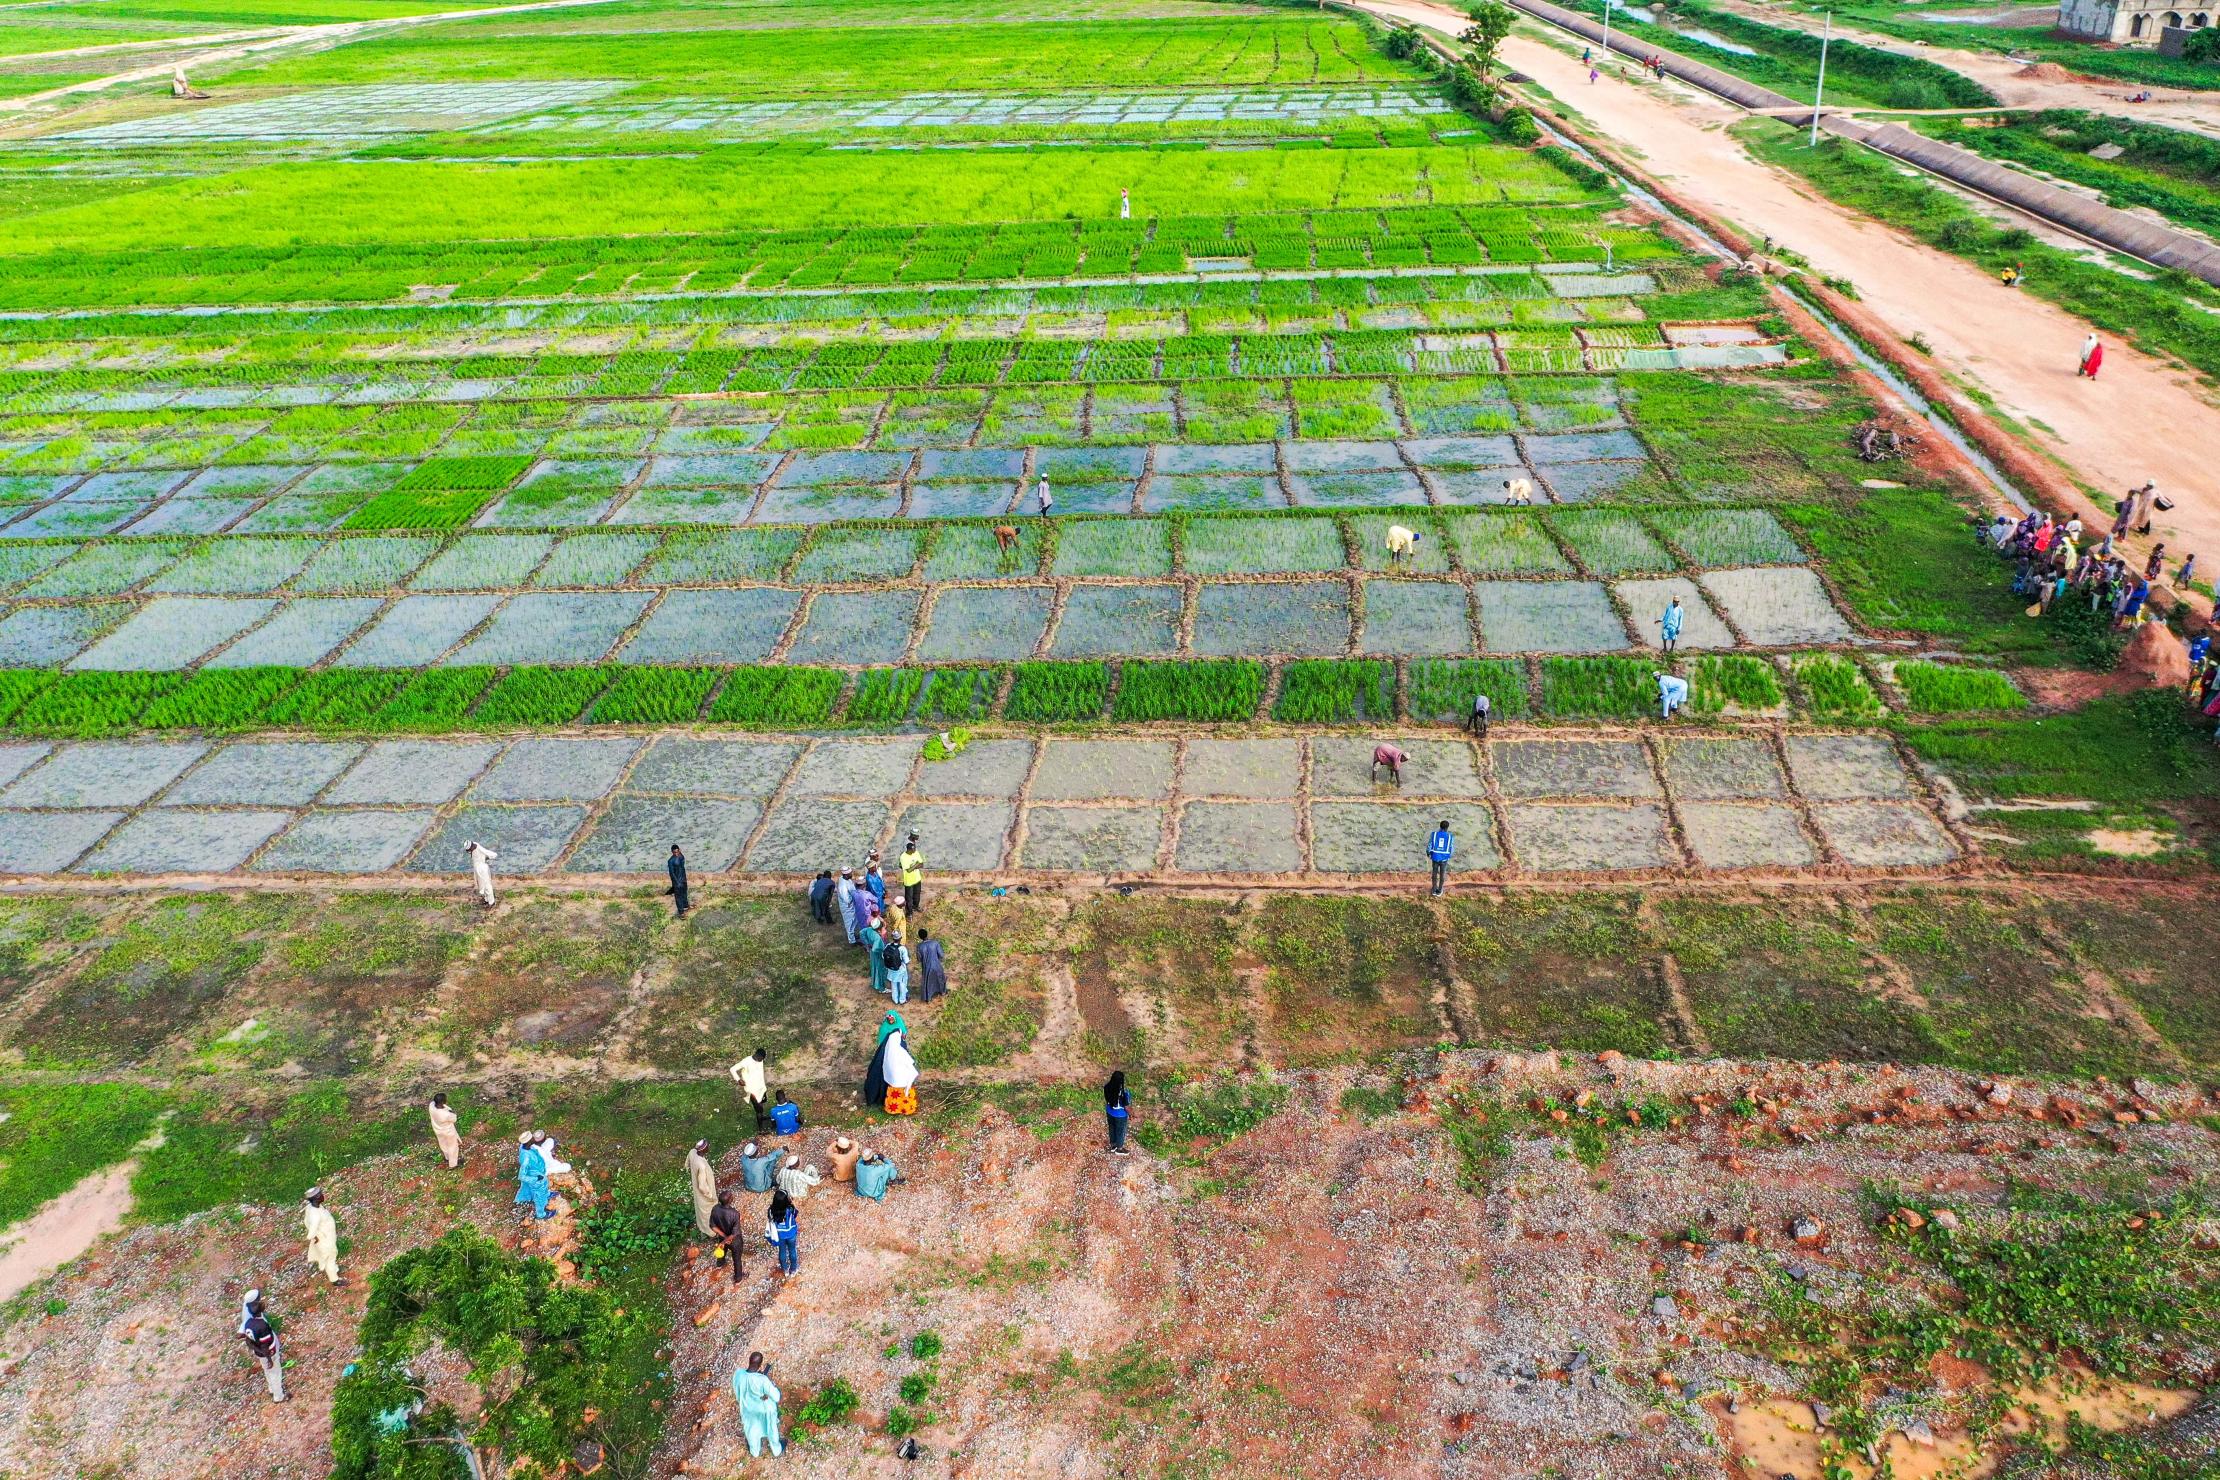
x=1607, y=4
x=1820, y=89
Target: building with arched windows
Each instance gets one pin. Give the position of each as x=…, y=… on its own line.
x=2132, y=22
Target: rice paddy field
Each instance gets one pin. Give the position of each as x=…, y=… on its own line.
x=615, y=369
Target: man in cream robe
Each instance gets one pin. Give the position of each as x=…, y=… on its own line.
x=323, y=1235
x=701, y=1182
x=443, y=1130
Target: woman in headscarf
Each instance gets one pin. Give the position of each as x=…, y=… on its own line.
x=1117, y=1111
x=891, y=1068
x=932, y=972
x=782, y=1229
x=872, y=943
x=891, y=1023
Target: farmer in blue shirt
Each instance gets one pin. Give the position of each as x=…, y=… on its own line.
x=1668, y=625
x=1438, y=849
x=2197, y=651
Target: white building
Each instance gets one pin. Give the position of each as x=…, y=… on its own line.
x=2131, y=22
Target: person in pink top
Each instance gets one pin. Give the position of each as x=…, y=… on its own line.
x=1390, y=756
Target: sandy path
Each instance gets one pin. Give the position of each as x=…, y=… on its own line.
x=2144, y=418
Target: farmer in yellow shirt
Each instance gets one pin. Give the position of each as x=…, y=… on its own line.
x=912, y=865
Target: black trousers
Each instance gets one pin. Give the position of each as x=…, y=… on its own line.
x=1441, y=876
x=678, y=897
x=1477, y=723
x=913, y=897
x=762, y=1116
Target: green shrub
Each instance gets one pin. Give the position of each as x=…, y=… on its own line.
x=1940, y=688
x=1221, y=690
x=775, y=698
x=1336, y=691
x=631, y=1223
x=1058, y=693
x=833, y=1403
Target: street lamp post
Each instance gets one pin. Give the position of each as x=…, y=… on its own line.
x=1819, y=90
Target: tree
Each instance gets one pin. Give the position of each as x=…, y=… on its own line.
x=1491, y=22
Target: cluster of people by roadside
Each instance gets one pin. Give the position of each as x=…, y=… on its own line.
x=2053, y=561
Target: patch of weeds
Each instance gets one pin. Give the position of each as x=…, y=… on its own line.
x=1573, y=973
x=1369, y=1103
x=56, y=1135
x=751, y=973
x=219, y=1151
x=1205, y=1114
x=638, y=1221
x=159, y=972
x=834, y=1403
x=2128, y=748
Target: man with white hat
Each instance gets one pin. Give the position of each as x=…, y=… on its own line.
x=323, y=1235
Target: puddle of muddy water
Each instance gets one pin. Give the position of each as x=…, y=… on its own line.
x=1779, y=1437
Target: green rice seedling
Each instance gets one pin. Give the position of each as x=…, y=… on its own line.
x=1598, y=688
x=445, y=508
x=219, y=700
x=1344, y=409
x=1058, y=693
x=1218, y=690
x=540, y=696
x=1718, y=680
x=1950, y=688
x=18, y=686
x=954, y=696
x=435, y=701
x=769, y=697
x=1718, y=537
x=336, y=699
x=654, y=696
x=1835, y=688
x=1328, y=691
x=85, y=706
x=884, y=696
x=1443, y=688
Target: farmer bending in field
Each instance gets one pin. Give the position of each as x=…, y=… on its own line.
x=1387, y=753
x=1671, y=694
x=1518, y=491
x=1402, y=543
x=1477, y=721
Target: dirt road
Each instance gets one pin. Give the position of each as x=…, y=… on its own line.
x=2143, y=419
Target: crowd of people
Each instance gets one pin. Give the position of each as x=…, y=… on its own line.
x=2054, y=561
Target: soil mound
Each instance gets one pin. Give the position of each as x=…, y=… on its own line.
x=2153, y=659
x=2046, y=72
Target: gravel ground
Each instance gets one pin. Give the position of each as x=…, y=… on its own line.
x=1318, y=1296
